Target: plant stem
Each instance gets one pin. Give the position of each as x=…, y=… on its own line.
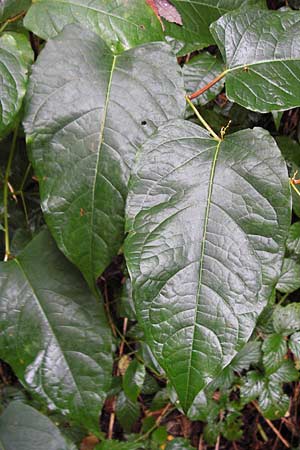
x=204, y=123
x=283, y=298
x=5, y=191
x=12, y=19
x=166, y=411
x=207, y=86
x=278, y=434
x=292, y=183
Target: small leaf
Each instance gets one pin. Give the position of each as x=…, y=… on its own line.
x=121, y=24
x=274, y=350
x=252, y=386
x=196, y=298
x=127, y=412
x=150, y=385
x=10, y=8
x=293, y=240
x=294, y=345
x=286, y=373
x=54, y=333
x=199, y=71
x=290, y=150
x=286, y=319
x=262, y=77
x=273, y=402
x=133, y=380
x=16, y=56
x=97, y=111
x=289, y=280
x=249, y=354
x=24, y=428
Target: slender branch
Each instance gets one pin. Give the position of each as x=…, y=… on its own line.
x=277, y=432
x=203, y=121
x=207, y=86
x=12, y=19
x=5, y=191
x=293, y=183
x=166, y=411
x=113, y=413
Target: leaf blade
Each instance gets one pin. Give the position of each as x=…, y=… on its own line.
x=84, y=131
x=120, y=23
x=16, y=56
x=186, y=337
x=68, y=362
x=260, y=77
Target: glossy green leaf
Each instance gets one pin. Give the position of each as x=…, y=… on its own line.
x=286, y=373
x=252, y=386
x=15, y=57
x=127, y=412
x=207, y=224
x=199, y=71
x=294, y=345
x=274, y=350
x=286, y=319
x=10, y=8
x=289, y=280
x=197, y=15
x=24, y=428
x=54, y=333
x=267, y=44
x=150, y=386
x=133, y=379
x=273, y=402
x=249, y=354
x=293, y=240
x=86, y=117
x=121, y=24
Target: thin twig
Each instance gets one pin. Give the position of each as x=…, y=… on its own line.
x=165, y=412
x=207, y=86
x=217, y=447
x=106, y=304
x=273, y=428
x=112, y=417
x=201, y=443
x=5, y=192
x=203, y=121
x=12, y=19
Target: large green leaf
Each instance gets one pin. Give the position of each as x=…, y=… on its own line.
x=24, y=428
x=262, y=53
x=197, y=15
x=121, y=23
x=53, y=332
x=15, y=57
x=9, y=8
x=86, y=117
x=207, y=223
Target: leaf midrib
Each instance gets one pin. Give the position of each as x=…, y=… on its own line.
x=202, y=255
x=101, y=135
